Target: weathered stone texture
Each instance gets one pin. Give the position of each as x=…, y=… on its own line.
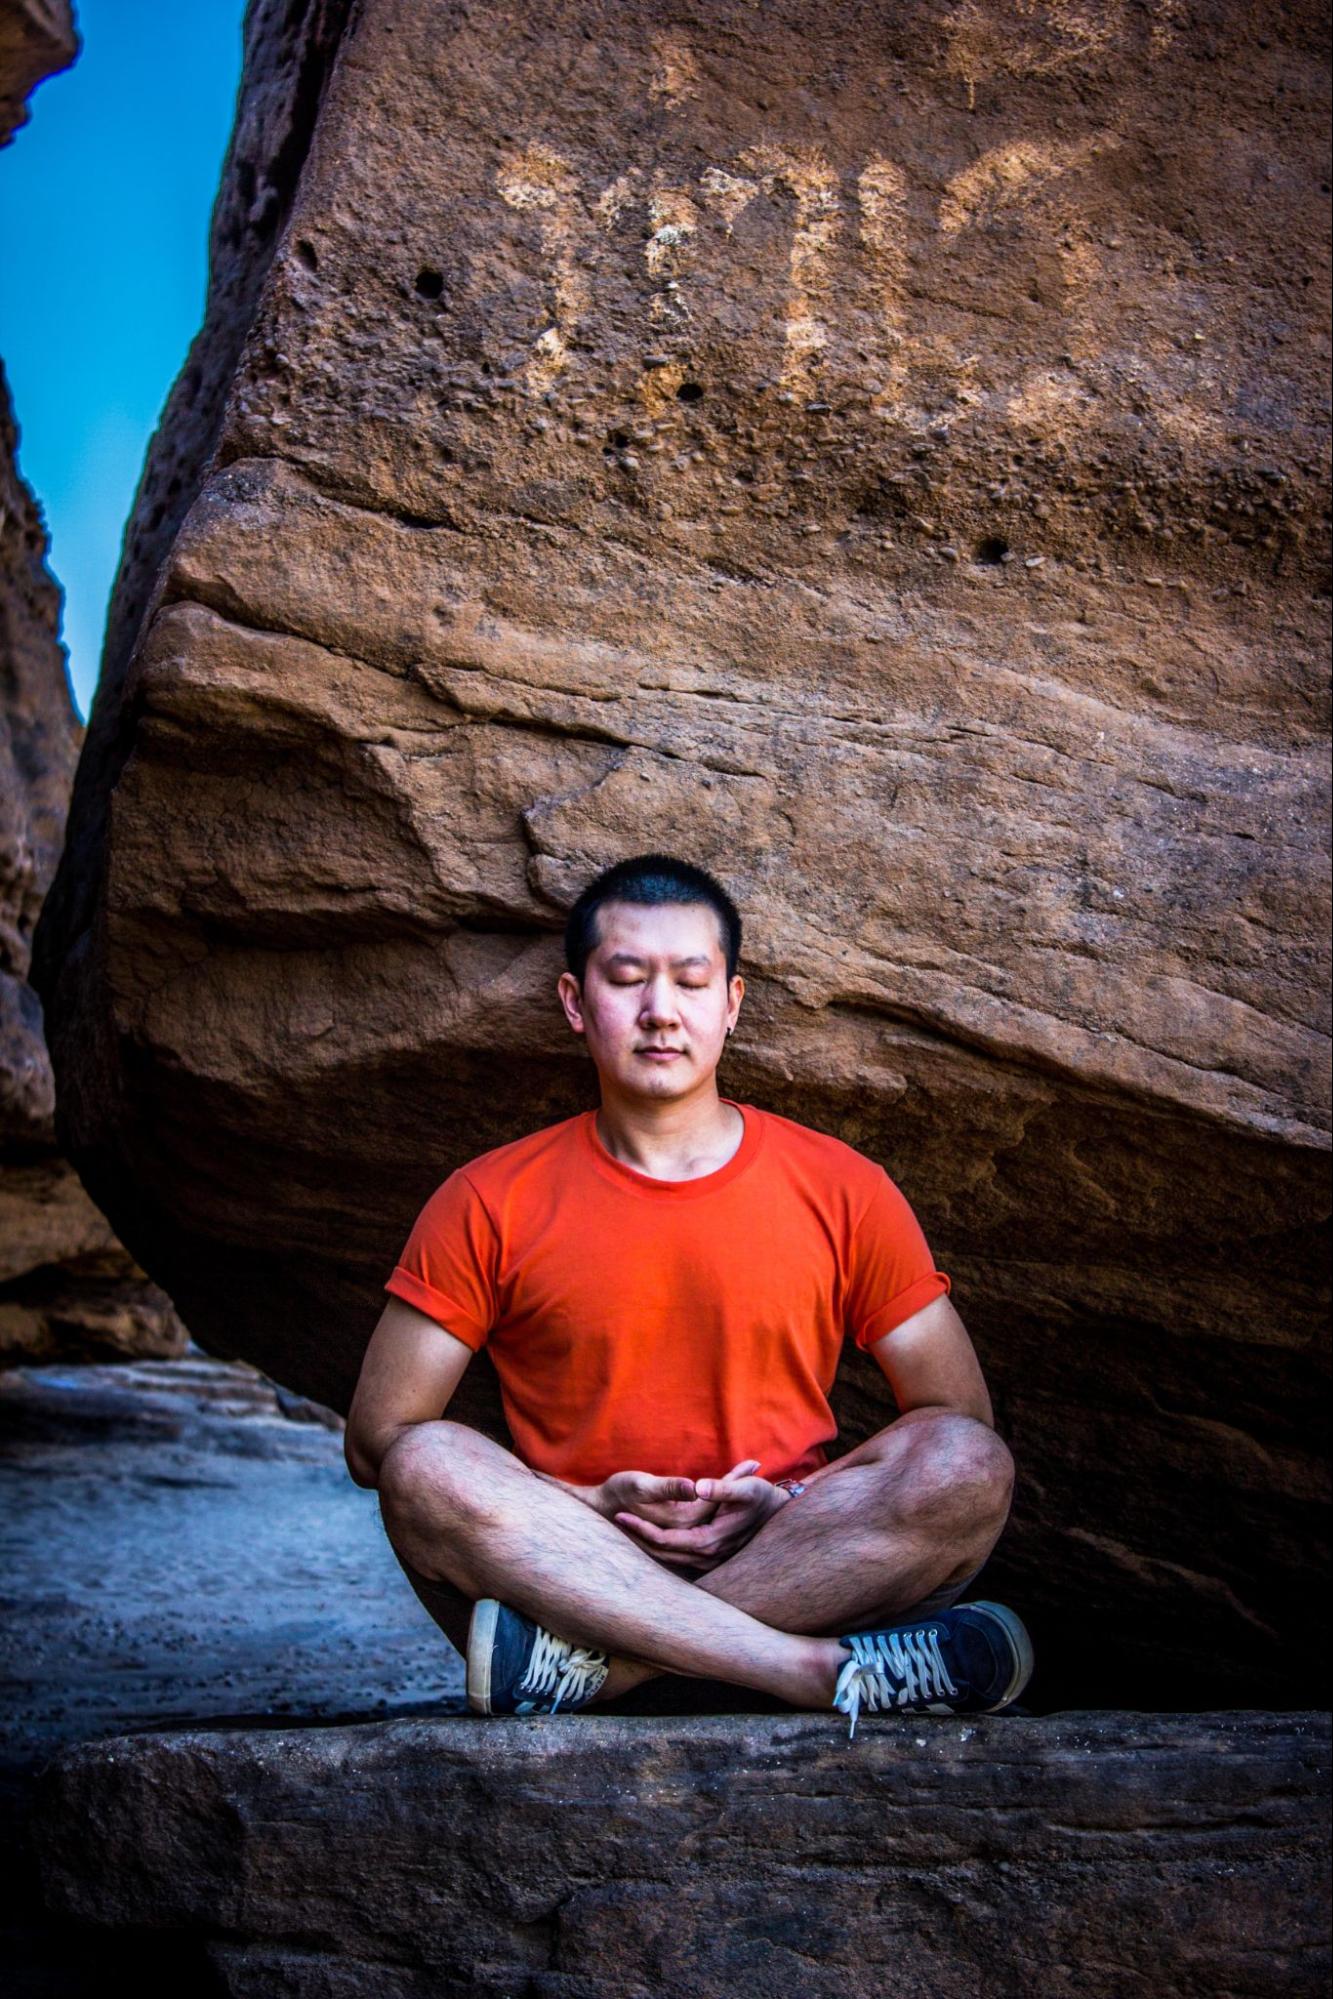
x=67, y=1287
x=39, y=730
x=882, y=456
x=1118, y=1855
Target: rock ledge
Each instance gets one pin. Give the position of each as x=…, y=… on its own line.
x=1115, y=1853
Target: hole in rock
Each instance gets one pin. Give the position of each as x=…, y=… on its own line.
x=429, y=283
x=991, y=549
x=307, y=254
x=690, y=392
x=616, y=440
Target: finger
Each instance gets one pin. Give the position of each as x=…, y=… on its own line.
x=660, y=1537
x=716, y=1488
x=650, y=1487
x=680, y=1513
x=704, y=1550
x=670, y=1559
x=746, y=1490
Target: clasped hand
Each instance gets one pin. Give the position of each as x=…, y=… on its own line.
x=691, y=1523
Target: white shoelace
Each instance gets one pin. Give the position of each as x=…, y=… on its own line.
x=891, y=1669
x=571, y=1672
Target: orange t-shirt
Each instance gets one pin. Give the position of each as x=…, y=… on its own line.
x=670, y=1326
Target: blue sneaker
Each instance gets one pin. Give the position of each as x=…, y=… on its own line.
x=974, y=1658
x=516, y=1666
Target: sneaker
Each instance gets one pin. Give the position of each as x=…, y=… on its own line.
x=516, y=1666
x=974, y=1658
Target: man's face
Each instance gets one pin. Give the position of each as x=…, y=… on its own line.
x=655, y=1003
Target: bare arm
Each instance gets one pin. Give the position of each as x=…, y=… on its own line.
x=411, y=1368
x=931, y=1364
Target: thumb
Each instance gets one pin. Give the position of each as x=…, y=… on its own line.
x=735, y=1485
x=668, y=1488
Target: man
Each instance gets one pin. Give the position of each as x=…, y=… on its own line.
x=665, y=1284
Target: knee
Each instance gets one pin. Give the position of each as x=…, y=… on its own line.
x=428, y=1476
x=959, y=1467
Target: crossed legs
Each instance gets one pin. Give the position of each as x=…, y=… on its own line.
x=914, y=1509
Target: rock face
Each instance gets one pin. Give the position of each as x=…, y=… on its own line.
x=880, y=458
x=68, y=1288
x=616, y=1859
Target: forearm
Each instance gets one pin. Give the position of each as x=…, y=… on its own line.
x=976, y=1404
x=932, y=1366
x=591, y=1495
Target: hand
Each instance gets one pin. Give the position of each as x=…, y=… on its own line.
x=738, y=1504
x=641, y=1495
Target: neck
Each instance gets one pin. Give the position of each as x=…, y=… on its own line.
x=680, y=1139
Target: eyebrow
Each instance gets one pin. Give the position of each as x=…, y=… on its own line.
x=633, y=958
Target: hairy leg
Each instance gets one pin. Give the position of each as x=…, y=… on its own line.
x=916, y=1507
x=463, y=1510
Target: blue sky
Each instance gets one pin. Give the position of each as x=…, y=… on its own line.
x=105, y=199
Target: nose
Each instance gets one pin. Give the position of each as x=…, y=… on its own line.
x=659, y=1004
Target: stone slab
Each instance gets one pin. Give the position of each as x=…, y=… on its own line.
x=1125, y=1855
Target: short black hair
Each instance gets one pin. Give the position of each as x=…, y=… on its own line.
x=649, y=878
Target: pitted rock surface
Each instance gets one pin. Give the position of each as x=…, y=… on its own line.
x=581, y=1858
x=881, y=457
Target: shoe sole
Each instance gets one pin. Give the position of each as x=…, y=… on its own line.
x=1017, y=1633
x=480, y=1652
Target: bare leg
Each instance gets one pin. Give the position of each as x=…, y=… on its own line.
x=463, y=1509
x=915, y=1507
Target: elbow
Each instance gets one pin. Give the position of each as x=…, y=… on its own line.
x=363, y=1466
x=365, y=1456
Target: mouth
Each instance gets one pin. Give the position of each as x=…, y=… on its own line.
x=660, y=1054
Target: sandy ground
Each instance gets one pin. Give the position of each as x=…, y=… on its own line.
x=174, y=1546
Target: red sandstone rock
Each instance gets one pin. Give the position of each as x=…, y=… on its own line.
x=67, y=1287
x=881, y=457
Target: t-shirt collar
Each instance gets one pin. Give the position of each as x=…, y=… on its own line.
x=629, y=1177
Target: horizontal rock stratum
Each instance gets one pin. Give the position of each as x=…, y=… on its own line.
x=881, y=456
x=1117, y=1856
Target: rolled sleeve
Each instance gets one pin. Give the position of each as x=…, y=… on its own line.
x=892, y=1272
x=448, y=1266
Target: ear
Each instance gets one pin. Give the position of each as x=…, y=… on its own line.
x=571, y=999
x=735, y=994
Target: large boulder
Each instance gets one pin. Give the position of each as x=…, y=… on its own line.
x=68, y=1289
x=878, y=456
